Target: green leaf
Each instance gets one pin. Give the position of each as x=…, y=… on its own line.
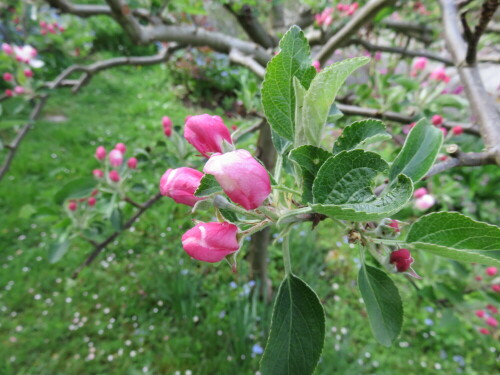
x=359, y=134
x=334, y=114
x=79, y=188
x=300, y=92
x=419, y=151
x=57, y=250
x=26, y=211
x=116, y=219
x=383, y=304
x=229, y=215
x=321, y=94
x=409, y=84
x=448, y=100
x=455, y=236
x=309, y=159
x=208, y=186
x=343, y=188
x=278, y=96
x=297, y=331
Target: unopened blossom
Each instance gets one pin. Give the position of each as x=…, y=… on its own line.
x=167, y=125
x=98, y=173
x=100, y=153
x=206, y=133
x=8, y=77
x=28, y=73
x=115, y=158
x=495, y=288
x=492, y=309
x=402, y=259
x=394, y=224
x=9, y=92
x=317, y=65
x=242, y=178
x=444, y=131
x=211, y=242
x=491, y=271
x=425, y=202
x=439, y=74
x=19, y=90
x=121, y=147
x=457, y=130
x=72, y=206
x=484, y=331
x=180, y=184
x=91, y=201
x=420, y=63
x=492, y=322
x=437, y=120
x=420, y=192
x=480, y=313
x=7, y=48
x=132, y=163
x=114, y=176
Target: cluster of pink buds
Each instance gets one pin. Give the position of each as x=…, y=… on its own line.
x=26, y=57
x=438, y=120
x=423, y=200
x=325, y=17
x=439, y=74
x=243, y=179
x=91, y=201
x=317, y=65
x=488, y=318
x=167, y=126
x=493, y=284
x=115, y=157
x=52, y=28
x=347, y=9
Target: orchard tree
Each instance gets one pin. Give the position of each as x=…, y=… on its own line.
x=308, y=175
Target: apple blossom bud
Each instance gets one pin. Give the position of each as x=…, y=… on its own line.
x=115, y=158
x=7, y=48
x=492, y=322
x=19, y=90
x=72, y=206
x=91, y=201
x=43, y=24
x=121, y=147
x=98, y=173
x=132, y=163
x=8, y=77
x=401, y=259
x=100, y=153
x=206, y=133
x=437, y=120
x=484, y=331
x=114, y=176
x=394, y=224
x=444, y=131
x=425, y=202
x=9, y=92
x=478, y=278
x=491, y=271
x=457, y=130
x=443, y=157
x=242, y=177
x=492, y=309
x=420, y=63
x=180, y=185
x=495, y=288
x=420, y=192
x=28, y=73
x=211, y=242
x=317, y=65
x=167, y=125
x=480, y=313
x=439, y=74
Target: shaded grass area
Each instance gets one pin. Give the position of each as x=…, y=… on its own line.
x=144, y=307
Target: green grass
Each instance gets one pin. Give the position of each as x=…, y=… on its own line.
x=145, y=307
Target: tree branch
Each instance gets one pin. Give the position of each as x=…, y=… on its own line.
x=102, y=245
x=462, y=159
x=482, y=105
x=351, y=110
x=360, y=18
x=238, y=58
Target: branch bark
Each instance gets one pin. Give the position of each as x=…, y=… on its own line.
x=482, y=104
x=102, y=245
x=360, y=18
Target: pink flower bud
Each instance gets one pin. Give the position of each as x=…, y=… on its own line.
x=234, y=127
x=439, y=74
x=443, y=157
x=242, y=177
x=7, y=48
x=91, y=201
x=98, y=173
x=478, y=278
x=492, y=322
x=114, y=176
x=491, y=271
x=115, y=158
x=444, y=131
x=9, y=92
x=94, y=192
x=484, y=331
x=121, y=147
x=132, y=163
x=206, y=133
x=19, y=90
x=401, y=259
x=420, y=192
x=100, y=153
x=180, y=185
x=28, y=73
x=492, y=309
x=425, y=202
x=480, y=313
x=495, y=288
x=394, y=224
x=167, y=125
x=420, y=63
x=437, y=120
x=317, y=65
x=43, y=24
x=72, y=206
x=457, y=130
x=211, y=242
x=8, y=77
x=51, y=29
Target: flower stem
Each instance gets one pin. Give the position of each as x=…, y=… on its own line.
x=286, y=255
x=287, y=189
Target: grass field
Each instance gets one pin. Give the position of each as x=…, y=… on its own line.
x=144, y=307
